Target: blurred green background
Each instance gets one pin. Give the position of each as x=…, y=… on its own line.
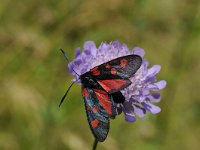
x=34, y=76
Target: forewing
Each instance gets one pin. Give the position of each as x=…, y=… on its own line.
x=119, y=68
x=113, y=75
x=99, y=107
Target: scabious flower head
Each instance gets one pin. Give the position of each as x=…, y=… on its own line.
x=140, y=95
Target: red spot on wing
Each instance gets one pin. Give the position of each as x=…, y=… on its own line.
x=104, y=100
x=85, y=92
x=95, y=71
x=123, y=63
x=114, y=84
x=95, y=109
x=87, y=107
x=108, y=66
x=94, y=123
x=113, y=71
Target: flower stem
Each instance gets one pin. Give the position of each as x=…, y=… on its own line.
x=95, y=144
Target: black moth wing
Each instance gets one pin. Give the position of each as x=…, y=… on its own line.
x=114, y=75
x=98, y=114
x=120, y=68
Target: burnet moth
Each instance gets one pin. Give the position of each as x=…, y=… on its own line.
x=101, y=91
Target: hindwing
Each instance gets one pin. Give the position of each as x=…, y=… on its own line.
x=99, y=107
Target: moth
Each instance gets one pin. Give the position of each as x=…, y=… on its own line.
x=101, y=91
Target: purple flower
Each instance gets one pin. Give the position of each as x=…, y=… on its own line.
x=143, y=91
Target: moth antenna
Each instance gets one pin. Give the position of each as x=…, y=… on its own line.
x=68, y=61
x=63, y=98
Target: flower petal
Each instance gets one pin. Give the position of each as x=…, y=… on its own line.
x=151, y=79
x=150, y=107
x=138, y=51
x=77, y=52
x=140, y=98
x=154, y=97
x=139, y=111
x=84, y=69
x=145, y=92
x=161, y=84
x=87, y=51
x=153, y=70
x=70, y=66
x=104, y=47
x=152, y=87
x=125, y=48
x=77, y=62
x=116, y=44
x=130, y=117
x=145, y=63
x=91, y=47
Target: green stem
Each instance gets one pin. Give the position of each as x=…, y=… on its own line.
x=95, y=144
